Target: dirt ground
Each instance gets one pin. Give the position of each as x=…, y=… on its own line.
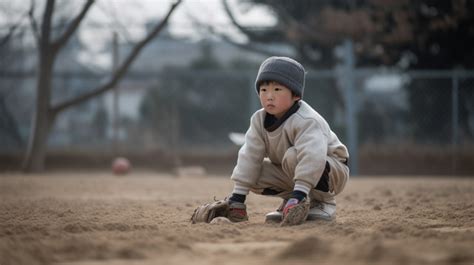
x=143, y=218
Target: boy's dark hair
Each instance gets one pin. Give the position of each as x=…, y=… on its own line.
x=283, y=70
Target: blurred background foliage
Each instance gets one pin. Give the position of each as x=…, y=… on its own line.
x=412, y=78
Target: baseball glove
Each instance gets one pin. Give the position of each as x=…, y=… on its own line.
x=206, y=212
x=235, y=211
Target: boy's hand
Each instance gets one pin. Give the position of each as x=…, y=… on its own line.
x=290, y=204
x=295, y=212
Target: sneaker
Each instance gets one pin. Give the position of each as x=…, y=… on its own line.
x=277, y=215
x=237, y=212
x=321, y=211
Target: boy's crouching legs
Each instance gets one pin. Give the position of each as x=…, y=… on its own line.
x=274, y=182
x=323, y=203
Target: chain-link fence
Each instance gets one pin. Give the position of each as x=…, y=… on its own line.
x=418, y=122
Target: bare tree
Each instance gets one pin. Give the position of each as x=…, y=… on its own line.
x=45, y=113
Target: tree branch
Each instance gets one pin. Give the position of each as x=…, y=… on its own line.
x=249, y=46
x=122, y=29
x=246, y=46
x=231, y=16
x=263, y=36
x=72, y=27
x=304, y=32
x=45, y=34
x=300, y=26
x=11, y=31
x=34, y=25
x=122, y=69
x=286, y=17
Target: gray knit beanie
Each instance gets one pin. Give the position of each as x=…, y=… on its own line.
x=283, y=70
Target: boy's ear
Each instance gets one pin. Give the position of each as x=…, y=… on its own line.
x=296, y=98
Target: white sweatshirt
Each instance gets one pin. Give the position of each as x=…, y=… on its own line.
x=306, y=130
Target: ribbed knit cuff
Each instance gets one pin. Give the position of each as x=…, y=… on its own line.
x=237, y=198
x=240, y=189
x=302, y=186
x=299, y=195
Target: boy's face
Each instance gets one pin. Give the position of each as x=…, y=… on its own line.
x=276, y=98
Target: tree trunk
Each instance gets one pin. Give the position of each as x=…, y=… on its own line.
x=45, y=113
x=43, y=117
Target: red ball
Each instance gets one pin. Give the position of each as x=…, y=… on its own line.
x=121, y=166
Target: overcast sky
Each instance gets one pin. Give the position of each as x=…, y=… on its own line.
x=133, y=14
x=129, y=17
x=183, y=21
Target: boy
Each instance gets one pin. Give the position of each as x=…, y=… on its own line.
x=289, y=152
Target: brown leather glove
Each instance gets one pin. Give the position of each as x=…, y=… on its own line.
x=234, y=211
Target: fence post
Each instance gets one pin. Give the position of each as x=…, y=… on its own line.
x=115, y=99
x=454, y=121
x=351, y=106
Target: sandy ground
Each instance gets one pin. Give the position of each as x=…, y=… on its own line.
x=143, y=218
